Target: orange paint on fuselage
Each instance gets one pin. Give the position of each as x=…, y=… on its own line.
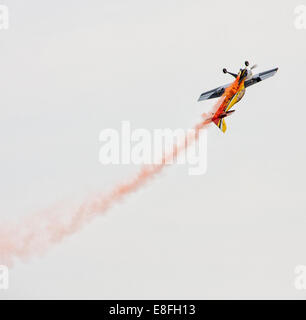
x=228, y=96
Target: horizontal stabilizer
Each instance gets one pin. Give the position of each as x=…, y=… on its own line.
x=220, y=122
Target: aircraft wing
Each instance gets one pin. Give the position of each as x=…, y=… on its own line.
x=215, y=93
x=260, y=76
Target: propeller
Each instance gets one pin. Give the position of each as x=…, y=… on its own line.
x=247, y=64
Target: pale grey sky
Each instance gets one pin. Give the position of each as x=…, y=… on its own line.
x=72, y=68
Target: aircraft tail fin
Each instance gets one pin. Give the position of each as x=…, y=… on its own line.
x=221, y=124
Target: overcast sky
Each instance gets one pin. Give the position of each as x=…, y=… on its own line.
x=70, y=69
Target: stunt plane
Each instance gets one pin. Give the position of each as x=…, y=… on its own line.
x=234, y=92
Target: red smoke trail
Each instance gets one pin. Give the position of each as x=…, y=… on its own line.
x=37, y=233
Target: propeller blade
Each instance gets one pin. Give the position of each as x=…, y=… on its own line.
x=254, y=66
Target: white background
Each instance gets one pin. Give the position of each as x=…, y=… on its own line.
x=72, y=68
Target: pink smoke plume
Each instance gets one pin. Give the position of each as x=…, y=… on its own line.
x=35, y=234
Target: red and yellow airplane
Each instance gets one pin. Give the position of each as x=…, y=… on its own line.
x=233, y=92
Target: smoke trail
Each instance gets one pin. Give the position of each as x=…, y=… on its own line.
x=35, y=234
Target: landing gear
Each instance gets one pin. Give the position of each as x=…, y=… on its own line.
x=233, y=74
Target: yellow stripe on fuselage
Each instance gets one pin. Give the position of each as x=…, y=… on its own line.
x=237, y=97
